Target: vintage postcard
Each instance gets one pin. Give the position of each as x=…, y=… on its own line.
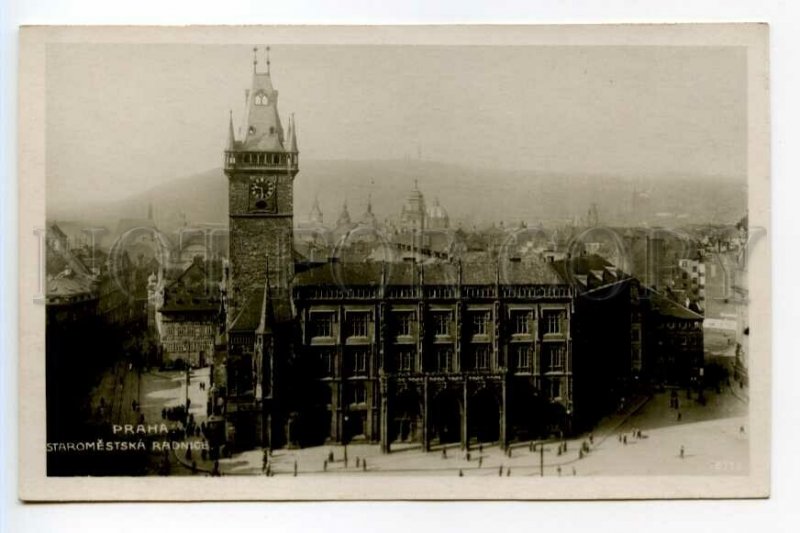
x=434, y=262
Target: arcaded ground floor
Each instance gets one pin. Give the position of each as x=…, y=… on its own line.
x=714, y=438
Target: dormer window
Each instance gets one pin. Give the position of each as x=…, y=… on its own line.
x=261, y=99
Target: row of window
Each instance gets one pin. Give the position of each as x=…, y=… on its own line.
x=356, y=393
x=442, y=359
x=357, y=323
x=188, y=329
x=188, y=346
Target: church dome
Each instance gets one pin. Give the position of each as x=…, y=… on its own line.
x=437, y=216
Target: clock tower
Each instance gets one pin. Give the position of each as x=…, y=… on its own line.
x=260, y=167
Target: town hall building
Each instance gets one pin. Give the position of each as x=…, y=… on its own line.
x=428, y=353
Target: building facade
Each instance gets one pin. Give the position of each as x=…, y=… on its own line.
x=186, y=319
x=412, y=352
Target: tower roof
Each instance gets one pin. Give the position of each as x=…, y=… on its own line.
x=263, y=129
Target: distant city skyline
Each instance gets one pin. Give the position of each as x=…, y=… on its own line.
x=629, y=111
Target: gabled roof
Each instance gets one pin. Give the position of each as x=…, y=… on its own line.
x=666, y=307
x=249, y=317
x=192, y=290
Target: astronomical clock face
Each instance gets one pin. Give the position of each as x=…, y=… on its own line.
x=262, y=193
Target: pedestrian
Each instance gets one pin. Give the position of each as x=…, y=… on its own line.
x=269, y=470
x=682, y=451
x=530, y=447
x=565, y=446
x=330, y=456
x=480, y=448
x=480, y=461
x=559, y=471
x=559, y=449
x=741, y=430
x=679, y=416
x=580, y=454
x=573, y=471
x=444, y=453
x=460, y=473
x=625, y=440
x=364, y=465
x=215, y=471
x=591, y=438
x=188, y=454
x=510, y=452
x=500, y=473
x=469, y=456
x=194, y=467
x=508, y=472
x=358, y=462
x=324, y=465
x=295, y=468
x=619, y=437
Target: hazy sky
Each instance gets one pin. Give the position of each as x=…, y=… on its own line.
x=123, y=118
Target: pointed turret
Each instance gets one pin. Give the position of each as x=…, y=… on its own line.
x=231, y=137
x=368, y=218
x=292, y=135
x=316, y=213
x=344, y=216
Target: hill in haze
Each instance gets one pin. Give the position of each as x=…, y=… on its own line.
x=470, y=195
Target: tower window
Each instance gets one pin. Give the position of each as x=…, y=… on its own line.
x=261, y=99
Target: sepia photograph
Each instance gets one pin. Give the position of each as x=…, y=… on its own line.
x=394, y=263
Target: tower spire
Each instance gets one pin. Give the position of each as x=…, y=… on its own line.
x=231, y=137
x=293, y=134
